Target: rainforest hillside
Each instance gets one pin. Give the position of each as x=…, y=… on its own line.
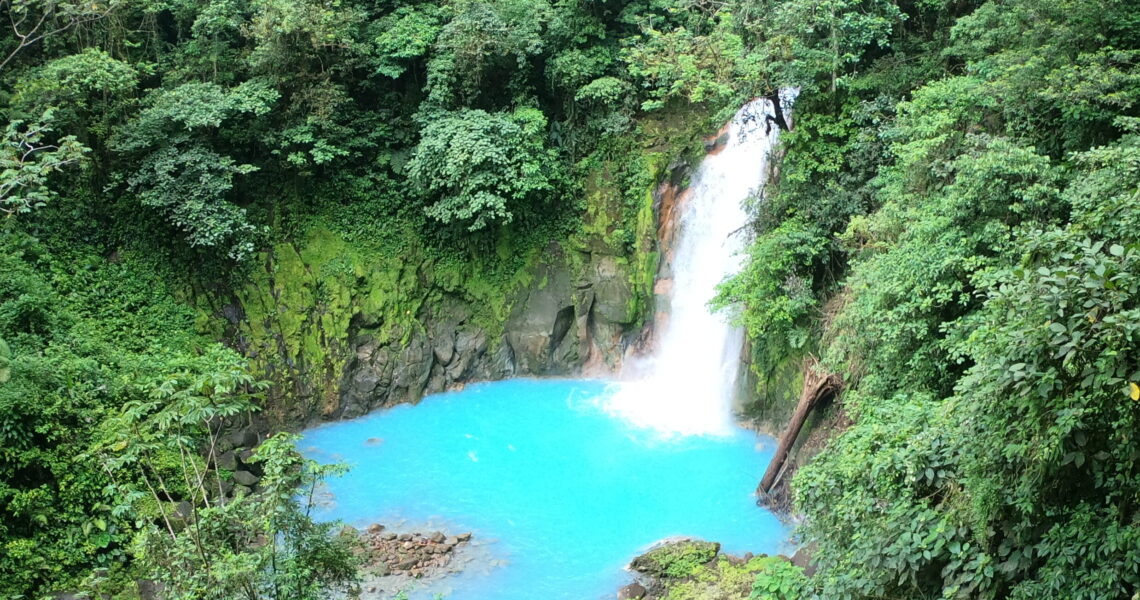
x=955, y=233
x=208, y=208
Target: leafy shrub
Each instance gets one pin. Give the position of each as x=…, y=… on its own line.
x=779, y=579
x=479, y=169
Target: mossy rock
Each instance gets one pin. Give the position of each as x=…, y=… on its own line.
x=676, y=559
x=735, y=579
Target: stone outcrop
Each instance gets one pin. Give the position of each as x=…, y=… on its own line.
x=676, y=558
x=580, y=309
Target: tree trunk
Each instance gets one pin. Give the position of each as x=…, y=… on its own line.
x=817, y=386
x=778, y=111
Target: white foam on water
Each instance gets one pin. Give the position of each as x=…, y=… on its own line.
x=686, y=386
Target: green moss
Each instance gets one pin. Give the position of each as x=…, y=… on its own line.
x=777, y=392
x=677, y=559
x=724, y=580
x=300, y=307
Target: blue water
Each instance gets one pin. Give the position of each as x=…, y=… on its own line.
x=568, y=493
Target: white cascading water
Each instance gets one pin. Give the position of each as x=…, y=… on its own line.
x=686, y=387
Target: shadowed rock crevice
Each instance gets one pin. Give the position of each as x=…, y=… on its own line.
x=562, y=323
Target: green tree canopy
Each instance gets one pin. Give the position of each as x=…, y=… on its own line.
x=478, y=169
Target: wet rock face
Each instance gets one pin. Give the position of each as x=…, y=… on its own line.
x=578, y=309
x=540, y=322
x=446, y=351
x=416, y=555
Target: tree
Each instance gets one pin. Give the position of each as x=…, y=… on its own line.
x=33, y=20
x=84, y=92
x=179, y=172
x=478, y=169
x=27, y=160
x=263, y=545
x=486, y=46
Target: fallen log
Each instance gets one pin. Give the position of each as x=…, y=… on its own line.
x=818, y=386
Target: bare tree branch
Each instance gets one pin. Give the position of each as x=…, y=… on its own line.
x=58, y=16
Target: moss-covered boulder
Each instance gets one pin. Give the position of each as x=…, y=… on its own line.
x=677, y=559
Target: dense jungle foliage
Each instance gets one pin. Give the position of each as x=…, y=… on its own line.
x=160, y=155
x=953, y=230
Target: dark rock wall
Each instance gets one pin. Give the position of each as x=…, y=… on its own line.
x=579, y=313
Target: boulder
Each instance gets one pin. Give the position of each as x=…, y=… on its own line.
x=180, y=514
x=406, y=564
x=226, y=461
x=470, y=345
x=613, y=292
x=803, y=559
x=675, y=559
x=245, y=478
x=149, y=590
x=412, y=369
x=245, y=456
x=633, y=591
x=443, y=346
x=243, y=438
x=363, y=382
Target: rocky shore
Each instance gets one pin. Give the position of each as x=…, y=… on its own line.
x=406, y=558
x=413, y=554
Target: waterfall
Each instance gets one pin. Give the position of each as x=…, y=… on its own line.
x=686, y=386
